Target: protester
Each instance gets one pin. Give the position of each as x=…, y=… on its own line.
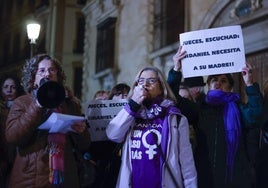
x=262, y=162
x=119, y=91
x=190, y=93
x=107, y=153
x=223, y=122
x=10, y=89
x=101, y=95
x=195, y=86
x=43, y=159
x=156, y=150
x=185, y=93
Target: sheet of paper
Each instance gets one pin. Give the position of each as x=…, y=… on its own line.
x=213, y=51
x=60, y=123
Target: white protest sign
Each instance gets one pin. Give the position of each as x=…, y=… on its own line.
x=213, y=51
x=99, y=113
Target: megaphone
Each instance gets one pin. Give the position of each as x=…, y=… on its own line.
x=50, y=94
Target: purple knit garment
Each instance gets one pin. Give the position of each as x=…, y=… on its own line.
x=231, y=121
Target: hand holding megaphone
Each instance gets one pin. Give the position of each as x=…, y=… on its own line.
x=50, y=94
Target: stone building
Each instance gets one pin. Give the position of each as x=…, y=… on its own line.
x=61, y=35
x=123, y=35
x=104, y=42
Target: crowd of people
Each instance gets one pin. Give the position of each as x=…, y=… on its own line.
x=171, y=133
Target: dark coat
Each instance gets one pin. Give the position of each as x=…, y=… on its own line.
x=187, y=107
x=7, y=150
x=210, y=152
x=31, y=167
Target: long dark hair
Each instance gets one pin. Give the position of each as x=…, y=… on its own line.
x=19, y=89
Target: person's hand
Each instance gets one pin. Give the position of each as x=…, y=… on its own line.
x=139, y=94
x=79, y=126
x=178, y=57
x=247, y=74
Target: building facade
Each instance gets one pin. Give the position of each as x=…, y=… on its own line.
x=61, y=35
x=105, y=42
x=122, y=36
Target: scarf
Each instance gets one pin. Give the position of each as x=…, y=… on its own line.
x=232, y=124
x=159, y=108
x=56, y=143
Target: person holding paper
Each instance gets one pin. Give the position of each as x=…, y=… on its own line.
x=223, y=129
x=107, y=153
x=195, y=86
x=43, y=159
x=156, y=149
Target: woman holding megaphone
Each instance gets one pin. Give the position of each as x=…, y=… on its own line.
x=44, y=159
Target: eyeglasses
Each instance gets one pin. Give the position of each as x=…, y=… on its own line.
x=150, y=81
x=43, y=71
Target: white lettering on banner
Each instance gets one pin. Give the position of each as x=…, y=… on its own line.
x=136, y=144
x=151, y=148
x=149, y=125
x=136, y=154
x=137, y=133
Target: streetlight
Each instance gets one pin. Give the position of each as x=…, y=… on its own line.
x=33, y=30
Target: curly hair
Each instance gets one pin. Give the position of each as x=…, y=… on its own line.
x=31, y=66
x=19, y=88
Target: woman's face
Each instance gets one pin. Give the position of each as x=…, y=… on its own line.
x=149, y=80
x=9, y=90
x=220, y=82
x=46, y=69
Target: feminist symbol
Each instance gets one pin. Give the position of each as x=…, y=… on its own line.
x=151, y=152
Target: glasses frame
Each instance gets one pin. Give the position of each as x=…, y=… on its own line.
x=150, y=81
x=51, y=70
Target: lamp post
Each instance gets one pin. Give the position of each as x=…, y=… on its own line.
x=33, y=30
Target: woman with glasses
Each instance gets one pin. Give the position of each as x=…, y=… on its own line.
x=43, y=159
x=156, y=149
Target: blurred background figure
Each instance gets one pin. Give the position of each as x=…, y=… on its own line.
x=10, y=89
x=101, y=95
x=119, y=91
x=107, y=153
x=185, y=93
x=262, y=163
x=195, y=87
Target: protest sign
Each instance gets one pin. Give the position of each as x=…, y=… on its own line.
x=213, y=51
x=99, y=113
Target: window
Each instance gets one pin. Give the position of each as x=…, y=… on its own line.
x=78, y=72
x=80, y=32
x=105, y=45
x=168, y=22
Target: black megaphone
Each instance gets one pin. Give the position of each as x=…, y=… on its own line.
x=50, y=94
